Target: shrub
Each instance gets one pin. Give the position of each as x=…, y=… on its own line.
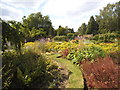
x=108, y=37
x=102, y=73
x=60, y=38
x=70, y=36
x=21, y=70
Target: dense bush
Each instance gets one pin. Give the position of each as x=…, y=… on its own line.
x=22, y=70
x=70, y=36
x=102, y=73
x=108, y=37
x=60, y=38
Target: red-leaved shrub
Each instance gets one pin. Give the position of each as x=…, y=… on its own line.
x=64, y=53
x=102, y=73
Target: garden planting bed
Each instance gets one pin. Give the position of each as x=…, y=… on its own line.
x=102, y=73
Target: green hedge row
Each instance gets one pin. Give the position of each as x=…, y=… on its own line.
x=60, y=38
x=108, y=37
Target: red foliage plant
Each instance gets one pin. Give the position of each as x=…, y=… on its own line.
x=64, y=53
x=102, y=73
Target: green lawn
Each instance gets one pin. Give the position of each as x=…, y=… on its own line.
x=75, y=79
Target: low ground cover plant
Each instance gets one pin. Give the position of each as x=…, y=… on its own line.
x=87, y=53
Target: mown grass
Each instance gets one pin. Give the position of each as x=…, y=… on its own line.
x=75, y=79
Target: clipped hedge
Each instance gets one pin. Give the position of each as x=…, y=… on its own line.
x=108, y=37
x=70, y=36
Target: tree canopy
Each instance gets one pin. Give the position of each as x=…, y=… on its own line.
x=92, y=27
x=82, y=29
x=64, y=31
x=37, y=25
x=11, y=33
x=108, y=21
x=109, y=18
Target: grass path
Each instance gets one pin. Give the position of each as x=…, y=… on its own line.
x=75, y=78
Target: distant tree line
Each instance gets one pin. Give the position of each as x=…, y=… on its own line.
x=108, y=21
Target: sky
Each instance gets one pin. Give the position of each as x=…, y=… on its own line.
x=71, y=13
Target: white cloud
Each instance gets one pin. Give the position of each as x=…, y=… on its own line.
x=10, y=13
x=21, y=7
x=24, y=3
x=71, y=13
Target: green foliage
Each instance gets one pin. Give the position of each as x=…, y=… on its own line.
x=35, y=32
x=70, y=36
x=109, y=18
x=36, y=26
x=60, y=38
x=71, y=55
x=21, y=70
x=92, y=27
x=82, y=29
x=33, y=27
x=11, y=32
x=61, y=31
x=88, y=53
x=108, y=37
x=64, y=31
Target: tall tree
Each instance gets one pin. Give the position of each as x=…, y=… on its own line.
x=92, y=27
x=36, y=22
x=11, y=33
x=109, y=18
x=82, y=29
